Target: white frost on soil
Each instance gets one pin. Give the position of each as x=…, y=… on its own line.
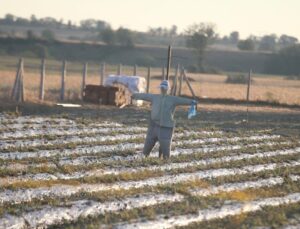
x=84, y=208
x=65, y=139
x=12, y=222
x=19, y=196
x=296, y=226
x=217, y=213
x=63, y=132
x=230, y=187
x=165, y=167
x=68, y=140
x=177, y=151
x=84, y=150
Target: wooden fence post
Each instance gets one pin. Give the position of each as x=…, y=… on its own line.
x=18, y=92
x=63, y=80
x=102, y=73
x=135, y=70
x=84, y=75
x=119, y=70
x=21, y=89
x=188, y=83
x=248, y=93
x=42, y=81
x=174, y=89
x=169, y=61
x=180, y=81
x=17, y=80
x=148, y=79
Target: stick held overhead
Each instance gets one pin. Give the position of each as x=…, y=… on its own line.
x=169, y=61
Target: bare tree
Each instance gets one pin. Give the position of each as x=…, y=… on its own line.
x=199, y=36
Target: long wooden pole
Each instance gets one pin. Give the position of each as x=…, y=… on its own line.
x=119, y=70
x=169, y=62
x=163, y=73
x=42, y=80
x=180, y=81
x=135, y=70
x=148, y=79
x=84, y=75
x=102, y=73
x=188, y=83
x=22, y=90
x=248, y=93
x=63, y=80
x=175, y=80
x=17, y=80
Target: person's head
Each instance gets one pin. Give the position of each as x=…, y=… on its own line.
x=164, y=87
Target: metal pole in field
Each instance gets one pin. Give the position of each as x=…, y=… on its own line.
x=42, y=81
x=148, y=79
x=180, y=81
x=169, y=61
x=63, y=80
x=102, y=73
x=84, y=75
x=248, y=93
x=119, y=70
x=135, y=70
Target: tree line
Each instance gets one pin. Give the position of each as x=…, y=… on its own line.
x=197, y=37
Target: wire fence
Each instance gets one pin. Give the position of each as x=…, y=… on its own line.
x=272, y=89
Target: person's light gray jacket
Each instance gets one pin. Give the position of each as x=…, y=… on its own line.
x=163, y=107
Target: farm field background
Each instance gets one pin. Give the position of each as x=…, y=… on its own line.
x=269, y=88
x=80, y=171
x=81, y=167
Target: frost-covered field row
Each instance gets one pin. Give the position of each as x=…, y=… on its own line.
x=69, y=173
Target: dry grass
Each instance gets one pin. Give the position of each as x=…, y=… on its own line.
x=271, y=88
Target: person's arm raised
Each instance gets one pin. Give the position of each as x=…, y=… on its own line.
x=142, y=96
x=183, y=101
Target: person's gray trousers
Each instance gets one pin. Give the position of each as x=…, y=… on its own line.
x=161, y=134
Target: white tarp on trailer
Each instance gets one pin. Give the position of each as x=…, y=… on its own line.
x=135, y=84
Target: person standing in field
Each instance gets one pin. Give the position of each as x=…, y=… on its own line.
x=161, y=125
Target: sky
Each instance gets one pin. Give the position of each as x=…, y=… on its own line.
x=249, y=17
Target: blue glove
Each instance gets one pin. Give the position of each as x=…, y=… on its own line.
x=192, y=111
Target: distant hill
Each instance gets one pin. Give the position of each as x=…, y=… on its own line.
x=141, y=55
